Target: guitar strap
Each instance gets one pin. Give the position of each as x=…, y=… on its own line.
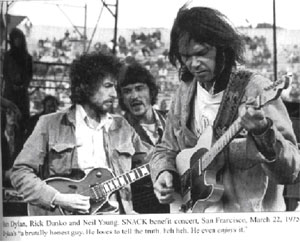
x=231, y=101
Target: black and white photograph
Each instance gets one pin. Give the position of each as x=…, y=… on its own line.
x=149, y=119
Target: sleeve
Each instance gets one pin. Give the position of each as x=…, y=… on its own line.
x=165, y=153
x=27, y=168
x=278, y=144
x=280, y=140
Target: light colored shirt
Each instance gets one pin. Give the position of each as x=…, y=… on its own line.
x=91, y=151
x=152, y=129
x=206, y=107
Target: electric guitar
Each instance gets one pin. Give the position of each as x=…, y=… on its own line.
x=98, y=184
x=198, y=171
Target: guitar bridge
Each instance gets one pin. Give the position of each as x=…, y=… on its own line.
x=97, y=193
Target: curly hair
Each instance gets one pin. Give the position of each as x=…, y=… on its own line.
x=88, y=71
x=206, y=25
x=136, y=73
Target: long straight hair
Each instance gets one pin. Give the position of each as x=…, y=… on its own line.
x=206, y=25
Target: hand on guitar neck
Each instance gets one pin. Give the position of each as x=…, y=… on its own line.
x=164, y=188
x=73, y=202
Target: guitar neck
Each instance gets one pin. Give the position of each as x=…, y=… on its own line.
x=221, y=143
x=119, y=182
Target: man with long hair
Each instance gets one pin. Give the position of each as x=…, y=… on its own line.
x=249, y=173
x=72, y=142
x=17, y=72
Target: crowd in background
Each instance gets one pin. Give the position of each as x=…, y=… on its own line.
x=257, y=52
x=149, y=50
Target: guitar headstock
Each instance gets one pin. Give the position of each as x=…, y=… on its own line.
x=273, y=91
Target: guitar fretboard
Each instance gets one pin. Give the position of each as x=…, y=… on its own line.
x=221, y=143
x=116, y=183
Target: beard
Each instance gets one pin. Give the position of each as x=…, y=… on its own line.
x=101, y=109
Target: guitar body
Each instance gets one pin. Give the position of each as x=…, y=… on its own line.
x=98, y=205
x=199, y=189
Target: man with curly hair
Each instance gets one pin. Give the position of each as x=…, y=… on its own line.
x=72, y=142
x=249, y=173
x=137, y=93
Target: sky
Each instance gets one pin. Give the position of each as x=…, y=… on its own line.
x=154, y=13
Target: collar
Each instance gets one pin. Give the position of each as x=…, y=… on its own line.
x=83, y=119
x=158, y=120
x=70, y=117
x=207, y=97
x=70, y=114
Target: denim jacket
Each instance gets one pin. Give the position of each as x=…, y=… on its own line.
x=258, y=166
x=51, y=150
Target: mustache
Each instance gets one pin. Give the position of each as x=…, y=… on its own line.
x=109, y=101
x=135, y=102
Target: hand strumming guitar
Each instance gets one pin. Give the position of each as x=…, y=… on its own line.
x=72, y=202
